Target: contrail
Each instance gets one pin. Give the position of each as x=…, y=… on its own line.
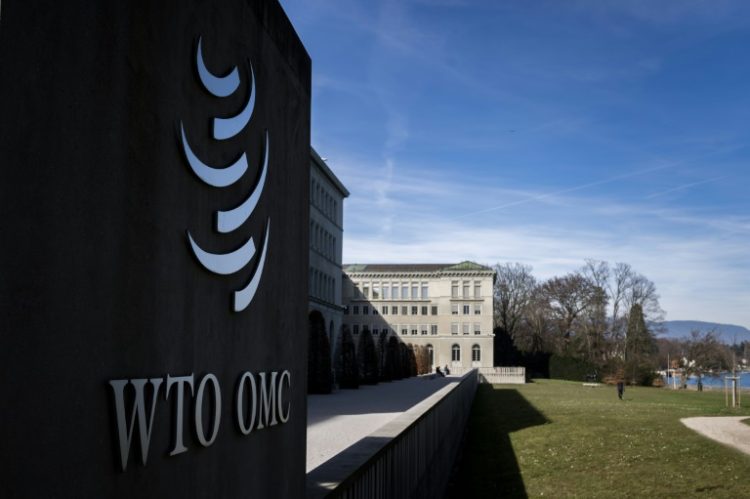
x=685, y=186
x=571, y=189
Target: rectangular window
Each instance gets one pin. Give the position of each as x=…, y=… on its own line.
x=466, y=310
x=424, y=310
x=477, y=328
x=404, y=331
x=386, y=292
x=385, y=310
x=425, y=291
x=404, y=310
x=355, y=310
x=454, y=289
x=434, y=310
x=366, y=291
x=404, y=292
x=414, y=331
x=454, y=308
x=475, y=354
x=394, y=290
x=374, y=310
x=466, y=289
x=456, y=353
x=423, y=329
x=375, y=332
x=477, y=290
x=477, y=309
x=433, y=329
x=465, y=328
x=414, y=310
x=454, y=327
x=365, y=310
x=376, y=291
x=414, y=291
x=394, y=310
x=355, y=329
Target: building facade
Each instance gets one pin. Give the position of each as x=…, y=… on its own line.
x=445, y=307
x=327, y=195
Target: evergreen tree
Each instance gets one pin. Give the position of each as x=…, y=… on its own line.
x=368, y=359
x=319, y=376
x=640, y=348
x=349, y=376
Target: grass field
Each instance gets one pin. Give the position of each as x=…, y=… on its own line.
x=559, y=439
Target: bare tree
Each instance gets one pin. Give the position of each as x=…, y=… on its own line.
x=568, y=298
x=534, y=331
x=514, y=286
x=704, y=353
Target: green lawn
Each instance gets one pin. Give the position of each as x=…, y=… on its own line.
x=559, y=439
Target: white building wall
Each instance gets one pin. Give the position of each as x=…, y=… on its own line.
x=464, y=321
x=327, y=196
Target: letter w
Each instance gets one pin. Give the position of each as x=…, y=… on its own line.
x=125, y=430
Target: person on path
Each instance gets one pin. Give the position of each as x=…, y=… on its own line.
x=447, y=371
x=620, y=388
x=439, y=372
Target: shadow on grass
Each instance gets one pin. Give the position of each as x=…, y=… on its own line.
x=488, y=466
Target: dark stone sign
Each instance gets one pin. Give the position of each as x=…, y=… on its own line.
x=154, y=166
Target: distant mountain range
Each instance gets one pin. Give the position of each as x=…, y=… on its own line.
x=729, y=333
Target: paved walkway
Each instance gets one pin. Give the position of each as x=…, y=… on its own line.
x=729, y=430
x=336, y=421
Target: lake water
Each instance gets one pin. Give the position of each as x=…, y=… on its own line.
x=713, y=381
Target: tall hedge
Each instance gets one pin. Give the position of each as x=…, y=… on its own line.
x=348, y=377
x=368, y=359
x=319, y=376
x=569, y=368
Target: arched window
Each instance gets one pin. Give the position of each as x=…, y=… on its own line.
x=431, y=353
x=456, y=353
x=476, y=353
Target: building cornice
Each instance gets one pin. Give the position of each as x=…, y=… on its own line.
x=425, y=275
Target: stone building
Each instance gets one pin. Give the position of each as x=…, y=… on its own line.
x=446, y=307
x=327, y=195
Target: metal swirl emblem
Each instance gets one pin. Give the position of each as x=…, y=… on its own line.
x=223, y=176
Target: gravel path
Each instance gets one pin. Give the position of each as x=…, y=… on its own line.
x=729, y=431
x=336, y=421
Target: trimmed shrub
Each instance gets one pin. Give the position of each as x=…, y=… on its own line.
x=422, y=357
x=570, y=368
x=368, y=359
x=349, y=375
x=392, y=368
x=411, y=358
x=319, y=376
x=384, y=374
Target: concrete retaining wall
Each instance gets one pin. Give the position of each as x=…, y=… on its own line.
x=412, y=456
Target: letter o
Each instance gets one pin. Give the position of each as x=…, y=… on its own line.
x=247, y=375
x=199, y=410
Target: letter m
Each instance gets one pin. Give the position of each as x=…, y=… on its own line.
x=125, y=428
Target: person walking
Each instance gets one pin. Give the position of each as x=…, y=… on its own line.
x=620, y=388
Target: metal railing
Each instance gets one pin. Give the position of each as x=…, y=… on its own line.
x=410, y=457
x=498, y=375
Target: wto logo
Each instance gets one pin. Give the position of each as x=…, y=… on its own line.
x=230, y=220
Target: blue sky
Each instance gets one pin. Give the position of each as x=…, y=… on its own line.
x=543, y=132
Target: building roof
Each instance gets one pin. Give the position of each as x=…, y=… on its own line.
x=414, y=267
x=318, y=161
